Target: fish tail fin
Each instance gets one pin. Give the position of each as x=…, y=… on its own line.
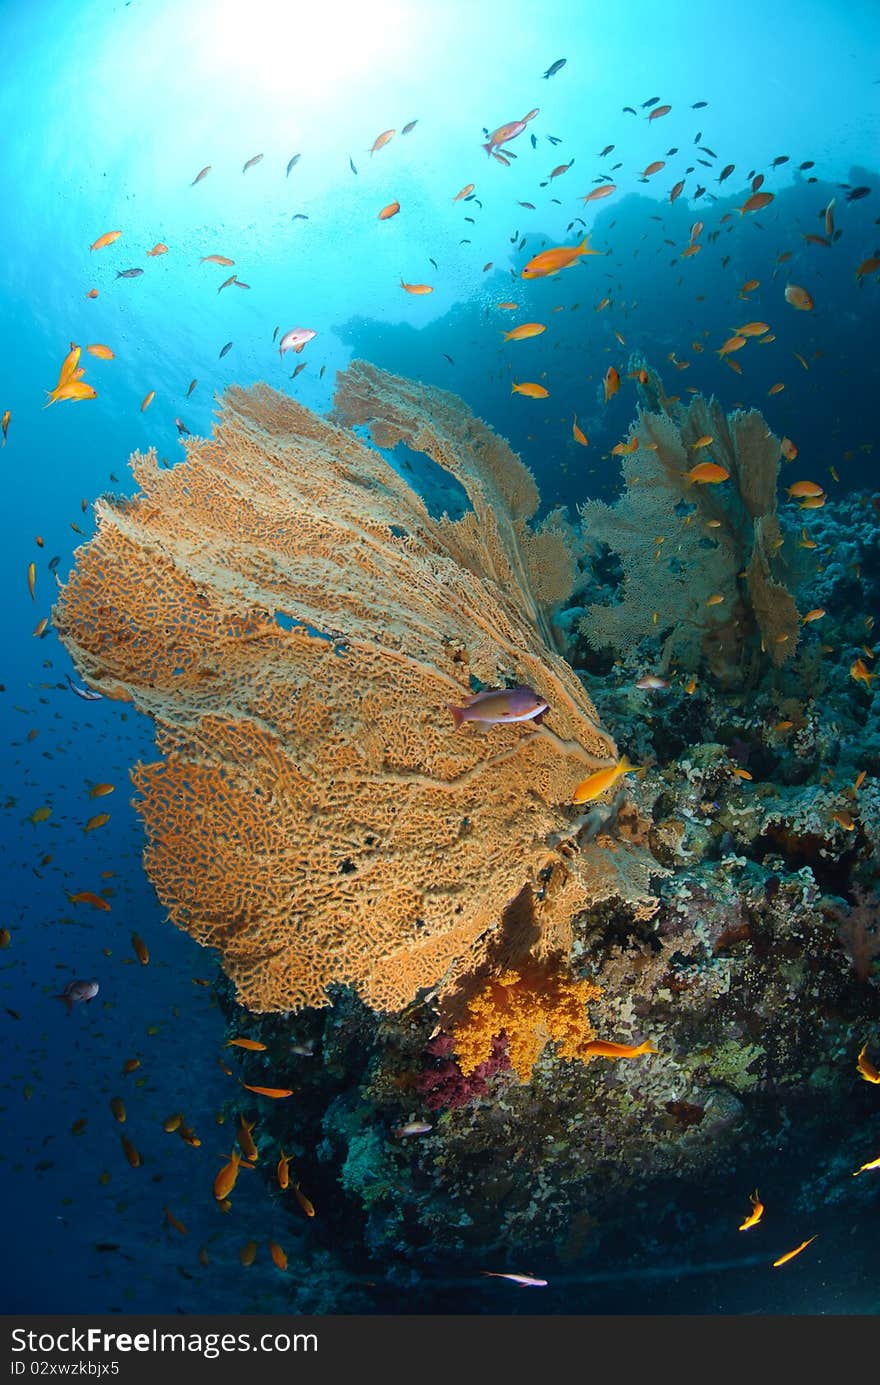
x=488, y=148
x=584, y=247
x=457, y=715
x=626, y=767
x=648, y=1047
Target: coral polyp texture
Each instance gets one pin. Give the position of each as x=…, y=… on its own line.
x=295, y=620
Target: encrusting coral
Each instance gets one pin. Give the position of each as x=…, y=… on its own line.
x=295, y=621
x=681, y=542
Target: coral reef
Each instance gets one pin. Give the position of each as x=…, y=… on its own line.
x=295, y=621
x=682, y=544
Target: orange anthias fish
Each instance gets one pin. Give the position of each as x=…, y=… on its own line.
x=756, y=202
x=275, y=1092
x=140, y=949
x=708, y=473
x=788, y=449
x=381, y=140
x=417, y=288
x=601, y=1048
x=525, y=329
x=868, y=266
x=798, y=297
x=226, y=1178
x=250, y=1044
x=505, y=133
x=578, y=433
x=756, y=1213
x=102, y=352
x=99, y=820
x=131, y=1153
x=465, y=192
x=604, y=190
x=804, y=488
x=86, y=897
x=611, y=383
x=246, y=1140
x=391, y=210
x=752, y=329
x=217, y=259
x=107, y=239
x=303, y=1201
x=158, y=249
x=4, y=424
x=658, y=111
x=530, y=388
x=866, y=1067
x=279, y=1259
x=548, y=262
x=602, y=779
x=790, y=1254
x=282, y=1171
x=651, y=169
x=735, y=343
x=147, y=400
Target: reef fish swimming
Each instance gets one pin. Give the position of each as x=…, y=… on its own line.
x=495, y=706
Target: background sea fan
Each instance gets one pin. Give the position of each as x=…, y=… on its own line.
x=679, y=542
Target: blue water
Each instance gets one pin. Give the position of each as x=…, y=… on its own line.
x=108, y=112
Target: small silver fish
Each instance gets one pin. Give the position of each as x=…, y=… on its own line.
x=650, y=682
x=192, y=385
x=526, y=1280
x=128, y=273
x=76, y=992
x=227, y=347
x=85, y=693
x=293, y=163
x=250, y=163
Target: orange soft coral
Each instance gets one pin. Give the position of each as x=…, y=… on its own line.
x=532, y=1007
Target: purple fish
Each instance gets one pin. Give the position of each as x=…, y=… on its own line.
x=500, y=705
x=77, y=992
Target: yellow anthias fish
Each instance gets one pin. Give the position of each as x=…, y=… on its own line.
x=602, y=779
x=756, y=1213
x=708, y=473
x=530, y=389
x=525, y=329
x=790, y=1254
x=558, y=257
x=604, y=1049
x=866, y=1067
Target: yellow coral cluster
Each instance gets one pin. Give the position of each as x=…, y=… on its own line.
x=532, y=1007
x=294, y=619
